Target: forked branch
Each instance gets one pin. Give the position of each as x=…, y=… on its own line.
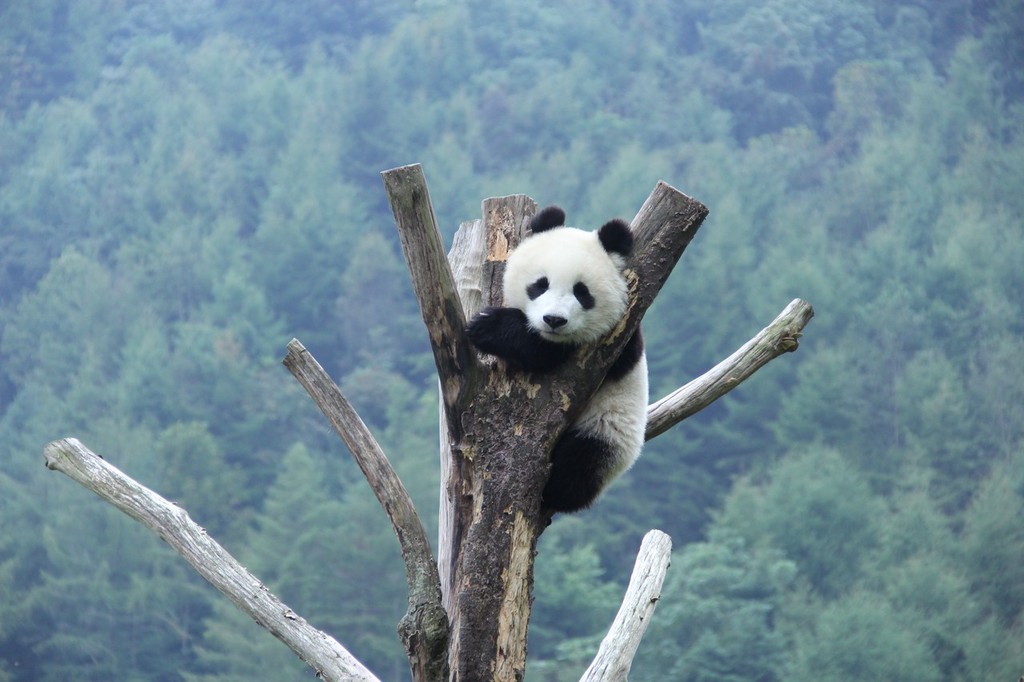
x=500, y=425
x=490, y=495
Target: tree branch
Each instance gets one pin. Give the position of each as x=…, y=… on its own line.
x=781, y=336
x=325, y=655
x=424, y=628
x=662, y=229
x=432, y=279
x=615, y=656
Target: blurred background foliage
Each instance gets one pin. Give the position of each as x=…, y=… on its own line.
x=187, y=184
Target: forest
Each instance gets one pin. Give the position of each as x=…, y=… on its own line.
x=186, y=185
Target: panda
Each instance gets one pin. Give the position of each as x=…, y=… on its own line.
x=564, y=288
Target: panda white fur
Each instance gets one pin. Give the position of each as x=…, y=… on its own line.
x=563, y=288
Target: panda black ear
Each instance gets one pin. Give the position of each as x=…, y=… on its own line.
x=550, y=217
x=615, y=237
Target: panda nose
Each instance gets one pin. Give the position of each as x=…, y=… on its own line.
x=554, y=321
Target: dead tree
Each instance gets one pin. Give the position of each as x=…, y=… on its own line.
x=468, y=611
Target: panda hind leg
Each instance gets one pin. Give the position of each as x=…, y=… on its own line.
x=578, y=473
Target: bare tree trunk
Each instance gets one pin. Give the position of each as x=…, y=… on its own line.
x=500, y=426
x=468, y=614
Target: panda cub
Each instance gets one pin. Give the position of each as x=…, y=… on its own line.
x=564, y=288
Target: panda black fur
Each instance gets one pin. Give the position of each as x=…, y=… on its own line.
x=564, y=288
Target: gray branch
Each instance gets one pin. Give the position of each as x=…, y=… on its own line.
x=320, y=651
x=615, y=656
x=432, y=279
x=424, y=628
x=781, y=336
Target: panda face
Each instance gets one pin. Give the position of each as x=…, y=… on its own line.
x=571, y=289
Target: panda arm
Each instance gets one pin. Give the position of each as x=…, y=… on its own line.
x=505, y=333
x=631, y=354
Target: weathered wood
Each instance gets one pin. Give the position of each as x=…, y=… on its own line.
x=508, y=499
x=320, y=651
x=663, y=228
x=490, y=541
x=615, y=655
x=432, y=279
x=477, y=257
x=466, y=258
x=500, y=426
x=505, y=223
x=424, y=628
x=779, y=337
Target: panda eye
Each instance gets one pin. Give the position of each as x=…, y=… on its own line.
x=583, y=295
x=537, y=288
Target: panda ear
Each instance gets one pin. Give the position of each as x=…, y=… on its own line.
x=550, y=217
x=615, y=237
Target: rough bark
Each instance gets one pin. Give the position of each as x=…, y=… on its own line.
x=477, y=279
x=500, y=426
x=432, y=280
x=326, y=656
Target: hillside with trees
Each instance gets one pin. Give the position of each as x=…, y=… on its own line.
x=187, y=185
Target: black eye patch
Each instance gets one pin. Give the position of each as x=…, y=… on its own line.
x=583, y=295
x=537, y=288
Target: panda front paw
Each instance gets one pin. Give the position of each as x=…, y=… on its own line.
x=493, y=329
x=506, y=333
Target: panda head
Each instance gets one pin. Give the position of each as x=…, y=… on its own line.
x=567, y=281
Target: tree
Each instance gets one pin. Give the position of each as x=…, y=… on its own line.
x=468, y=611
x=718, y=621
x=861, y=637
x=819, y=511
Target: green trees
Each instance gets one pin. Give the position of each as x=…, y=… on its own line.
x=294, y=547
x=718, y=622
x=184, y=187
x=808, y=575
